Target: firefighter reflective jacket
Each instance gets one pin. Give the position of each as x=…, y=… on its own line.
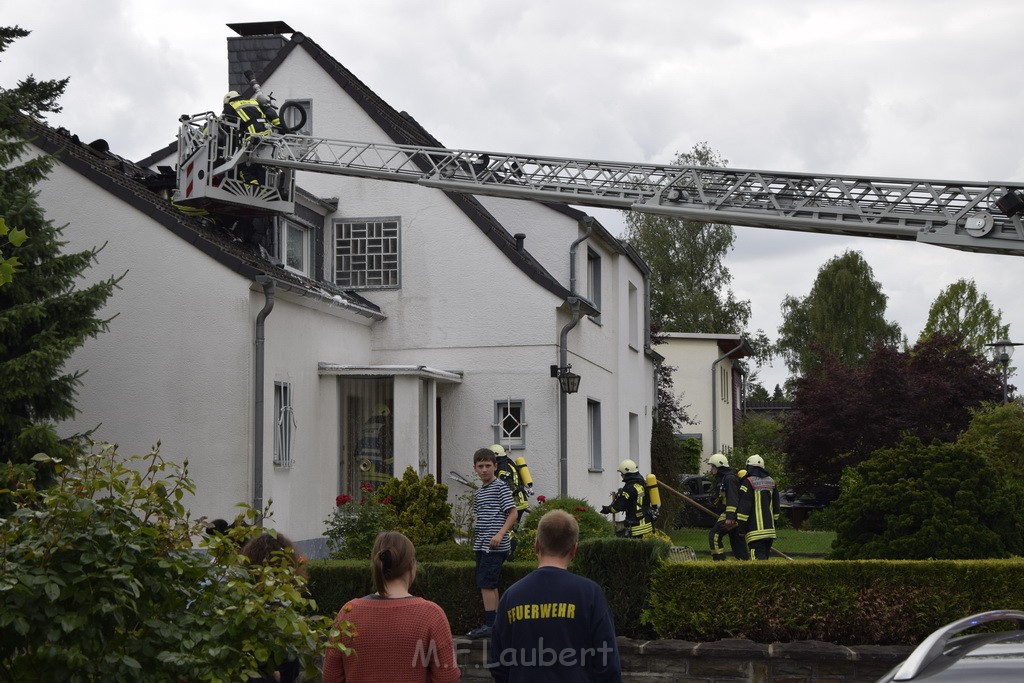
x=759, y=505
x=631, y=499
x=509, y=475
x=252, y=118
x=728, y=486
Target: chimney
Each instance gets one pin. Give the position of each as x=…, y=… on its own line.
x=255, y=47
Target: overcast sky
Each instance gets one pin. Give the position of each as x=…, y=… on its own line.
x=918, y=89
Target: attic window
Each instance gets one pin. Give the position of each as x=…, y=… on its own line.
x=367, y=253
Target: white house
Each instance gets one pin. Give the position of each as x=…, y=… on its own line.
x=711, y=385
x=381, y=326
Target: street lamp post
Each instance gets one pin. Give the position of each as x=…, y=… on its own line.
x=1002, y=350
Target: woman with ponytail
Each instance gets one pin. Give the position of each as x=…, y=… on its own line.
x=398, y=638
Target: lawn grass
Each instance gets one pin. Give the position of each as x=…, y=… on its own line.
x=804, y=544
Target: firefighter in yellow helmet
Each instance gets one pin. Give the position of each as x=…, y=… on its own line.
x=632, y=500
x=510, y=472
x=251, y=118
x=758, y=508
x=726, y=502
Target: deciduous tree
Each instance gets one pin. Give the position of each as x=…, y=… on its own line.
x=843, y=316
x=961, y=310
x=841, y=414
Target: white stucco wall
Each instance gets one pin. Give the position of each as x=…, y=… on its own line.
x=692, y=355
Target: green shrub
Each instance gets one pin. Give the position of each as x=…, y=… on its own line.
x=445, y=552
x=592, y=523
x=917, y=502
x=623, y=567
x=421, y=508
x=868, y=602
x=99, y=581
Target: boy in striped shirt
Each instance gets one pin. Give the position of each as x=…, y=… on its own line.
x=495, y=513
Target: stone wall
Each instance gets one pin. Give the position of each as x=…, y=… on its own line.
x=727, y=661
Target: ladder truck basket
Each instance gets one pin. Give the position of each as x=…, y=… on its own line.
x=219, y=170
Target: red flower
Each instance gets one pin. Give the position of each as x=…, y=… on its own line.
x=366, y=486
x=541, y=499
x=342, y=499
x=580, y=509
x=385, y=500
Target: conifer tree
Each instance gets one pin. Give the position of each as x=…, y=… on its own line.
x=44, y=312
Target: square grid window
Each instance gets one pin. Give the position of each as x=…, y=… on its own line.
x=366, y=254
x=284, y=424
x=510, y=423
x=594, y=434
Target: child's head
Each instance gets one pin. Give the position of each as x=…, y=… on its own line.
x=393, y=555
x=485, y=454
x=484, y=464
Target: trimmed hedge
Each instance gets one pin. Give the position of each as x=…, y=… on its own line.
x=867, y=602
x=624, y=568
x=452, y=585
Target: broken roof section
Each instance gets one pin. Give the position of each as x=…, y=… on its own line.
x=148, y=192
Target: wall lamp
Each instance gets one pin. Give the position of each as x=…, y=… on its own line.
x=568, y=380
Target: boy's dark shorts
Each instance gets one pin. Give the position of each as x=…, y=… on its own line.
x=488, y=568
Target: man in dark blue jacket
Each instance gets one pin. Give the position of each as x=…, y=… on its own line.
x=553, y=625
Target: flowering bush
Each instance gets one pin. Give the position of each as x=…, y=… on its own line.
x=354, y=524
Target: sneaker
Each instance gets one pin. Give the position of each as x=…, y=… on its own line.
x=480, y=632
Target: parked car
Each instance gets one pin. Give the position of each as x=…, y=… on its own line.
x=947, y=656
x=696, y=487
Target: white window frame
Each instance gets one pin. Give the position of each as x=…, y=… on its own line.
x=594, y=281
x=367, y=253
x=634, y=317
x=516, y=440
x=290, y=224
x=284, y=425
x=594, y=435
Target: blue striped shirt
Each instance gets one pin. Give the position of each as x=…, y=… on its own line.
x=491, y=504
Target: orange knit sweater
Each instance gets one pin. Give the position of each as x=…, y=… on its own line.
x=402, y=640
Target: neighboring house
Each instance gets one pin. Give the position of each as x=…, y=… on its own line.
x=710, y=384
x=382, y=326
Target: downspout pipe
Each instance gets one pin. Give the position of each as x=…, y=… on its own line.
x=714, y=395
x=563, y=361
x=563, y=401
x=259, y=362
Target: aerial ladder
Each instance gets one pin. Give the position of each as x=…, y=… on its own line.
x=970, y=216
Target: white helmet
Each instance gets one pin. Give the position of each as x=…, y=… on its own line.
x=627, y=467
x=497, y=449
x=718, y=460
x=755, y=461
x=231, y=95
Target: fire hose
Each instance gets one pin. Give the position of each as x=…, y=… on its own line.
x=697, y=505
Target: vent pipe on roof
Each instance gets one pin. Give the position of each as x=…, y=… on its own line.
x=520, y=238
